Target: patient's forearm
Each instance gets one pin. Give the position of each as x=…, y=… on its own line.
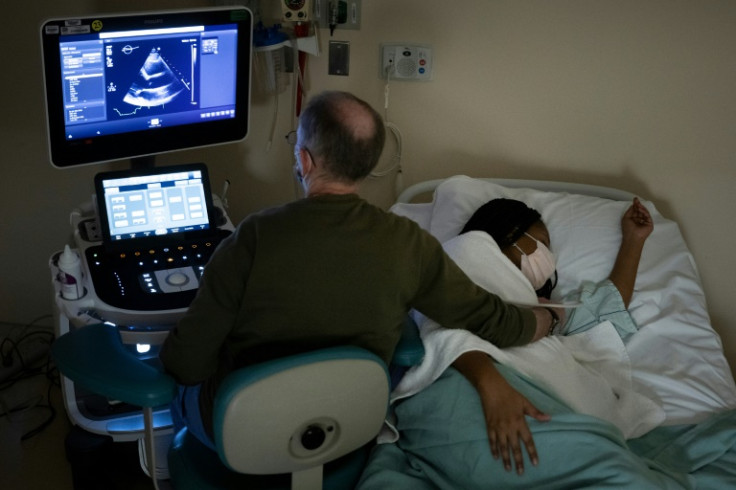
x=636, y=226
x=475, y=366
x=623, y=275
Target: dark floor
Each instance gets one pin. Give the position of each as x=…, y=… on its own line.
x=40, y=461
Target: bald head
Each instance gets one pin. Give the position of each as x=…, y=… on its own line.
x=343, y=133
x=356, y=117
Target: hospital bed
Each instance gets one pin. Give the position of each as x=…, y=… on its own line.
x=675, y=360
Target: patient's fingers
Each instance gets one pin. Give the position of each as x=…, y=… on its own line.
x=531, y=449
x=493, y=439
x=506, y=451
x=508, y=441
x=526, y=436
x=500, y=447
x=518, y=456
x=509, y=447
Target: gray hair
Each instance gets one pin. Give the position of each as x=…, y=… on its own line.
x=328, y=129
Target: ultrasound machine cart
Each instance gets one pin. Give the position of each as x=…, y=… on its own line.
x=132, y=86
x=143, y=287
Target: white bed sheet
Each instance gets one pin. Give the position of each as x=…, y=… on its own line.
x=676, y=356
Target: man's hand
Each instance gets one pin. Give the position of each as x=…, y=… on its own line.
x=545, y=320
x=504, y=409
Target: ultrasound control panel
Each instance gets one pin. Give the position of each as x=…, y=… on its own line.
x=151, y=278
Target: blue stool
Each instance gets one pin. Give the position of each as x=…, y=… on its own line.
x=304, y=421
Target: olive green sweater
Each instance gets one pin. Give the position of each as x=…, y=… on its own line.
x=319, y=272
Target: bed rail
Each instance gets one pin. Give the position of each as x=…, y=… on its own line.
x=408, y=194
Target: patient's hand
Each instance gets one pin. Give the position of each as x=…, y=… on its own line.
x=636, y=223
x=504, y=409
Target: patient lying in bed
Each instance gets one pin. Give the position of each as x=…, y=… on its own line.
x=524, y=240
x=604, y=395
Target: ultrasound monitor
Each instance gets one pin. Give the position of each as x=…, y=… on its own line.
x=136, y=85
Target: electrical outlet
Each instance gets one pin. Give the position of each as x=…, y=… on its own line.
x=352, y=9
x=90, y=230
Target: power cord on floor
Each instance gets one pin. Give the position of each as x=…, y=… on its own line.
x=23, y=365
x=10, y=349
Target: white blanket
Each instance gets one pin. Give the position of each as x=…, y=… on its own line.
x=588, y=371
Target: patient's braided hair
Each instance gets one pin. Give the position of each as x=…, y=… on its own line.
x=505, y=220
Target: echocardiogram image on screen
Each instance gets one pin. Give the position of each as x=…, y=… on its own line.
x=129, y=81
x=153, y=78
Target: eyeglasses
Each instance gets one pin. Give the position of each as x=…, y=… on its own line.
x=291, y=139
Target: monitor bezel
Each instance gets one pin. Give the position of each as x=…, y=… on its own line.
x=138, y=144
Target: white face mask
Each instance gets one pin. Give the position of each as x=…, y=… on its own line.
x=539, y=265
x=298, y=175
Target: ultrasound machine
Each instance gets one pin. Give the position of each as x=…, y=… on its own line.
x=132, y=86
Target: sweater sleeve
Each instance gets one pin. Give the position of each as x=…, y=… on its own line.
x=449, y=297
x=191, y=352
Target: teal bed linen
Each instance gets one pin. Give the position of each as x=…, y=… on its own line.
x=444, y=445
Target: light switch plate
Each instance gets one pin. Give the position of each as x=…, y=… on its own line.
x=339, y=58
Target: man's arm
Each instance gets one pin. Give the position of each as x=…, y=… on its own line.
x=449, y=297
x=504, y=409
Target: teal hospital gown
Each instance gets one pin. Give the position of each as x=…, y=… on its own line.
x=598, y=302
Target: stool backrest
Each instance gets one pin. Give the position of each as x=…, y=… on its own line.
x=297, y=413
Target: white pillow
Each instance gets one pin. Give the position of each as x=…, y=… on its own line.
x=584, y=231
x=421, y=213
x=676, y=355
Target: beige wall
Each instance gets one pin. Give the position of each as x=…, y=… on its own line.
x=637, y=94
